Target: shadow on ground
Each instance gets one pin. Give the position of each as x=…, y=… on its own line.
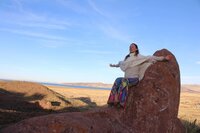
x=191, y=126
x=15, y=107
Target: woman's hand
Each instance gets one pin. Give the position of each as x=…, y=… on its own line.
x=113, y=65
x=168, y=57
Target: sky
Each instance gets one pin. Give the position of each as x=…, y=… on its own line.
x=76, y=40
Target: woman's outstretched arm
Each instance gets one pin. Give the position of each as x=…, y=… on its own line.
x=114, y=65
x=160, y=58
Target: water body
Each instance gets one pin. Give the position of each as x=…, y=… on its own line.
x=64, y=85
x=74, y=86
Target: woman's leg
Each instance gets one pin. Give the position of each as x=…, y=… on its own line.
x=113, y=98
x=132, y=81
x=123, y=89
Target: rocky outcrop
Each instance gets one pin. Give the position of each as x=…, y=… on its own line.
x=15, y=93
x=152, y=107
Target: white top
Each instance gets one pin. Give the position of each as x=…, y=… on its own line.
x=135, y=66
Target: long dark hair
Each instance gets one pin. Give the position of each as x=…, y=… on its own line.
x=136, y=52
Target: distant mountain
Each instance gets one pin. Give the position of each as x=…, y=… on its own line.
x=190, y=88
x=184, y=87
x=98, y=84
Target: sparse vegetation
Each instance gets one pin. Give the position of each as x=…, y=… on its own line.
x=189, y=111
x=191, y=126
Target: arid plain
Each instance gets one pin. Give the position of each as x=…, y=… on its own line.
x=189, y=108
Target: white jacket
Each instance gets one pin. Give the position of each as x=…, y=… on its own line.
x=135, y=66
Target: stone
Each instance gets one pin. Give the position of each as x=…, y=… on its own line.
x=152, y=105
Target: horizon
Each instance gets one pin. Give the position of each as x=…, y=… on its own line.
x=63, y=83
x=75, y=41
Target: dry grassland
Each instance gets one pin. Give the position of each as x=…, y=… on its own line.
x=189, y=108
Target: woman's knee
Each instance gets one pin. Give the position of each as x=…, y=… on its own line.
x=119, y=79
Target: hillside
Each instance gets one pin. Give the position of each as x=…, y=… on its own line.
x=190, y=88
x=20, y=100
x=33, y=93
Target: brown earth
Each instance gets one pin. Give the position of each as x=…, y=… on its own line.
x=92, y=97
x=20, y=100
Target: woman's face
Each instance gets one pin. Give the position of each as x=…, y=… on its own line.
x=133, y=48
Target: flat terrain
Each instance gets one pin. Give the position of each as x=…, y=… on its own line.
x=99, y=97
x=189, y=108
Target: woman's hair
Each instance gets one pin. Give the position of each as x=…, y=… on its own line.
x=136, y=52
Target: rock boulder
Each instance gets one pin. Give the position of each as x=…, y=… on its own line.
x=152, y=105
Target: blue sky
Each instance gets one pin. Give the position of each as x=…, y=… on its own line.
x=76, y=40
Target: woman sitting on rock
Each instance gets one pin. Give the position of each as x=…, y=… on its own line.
x=134, y=67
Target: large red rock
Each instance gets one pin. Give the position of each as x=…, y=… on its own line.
x=152, y=107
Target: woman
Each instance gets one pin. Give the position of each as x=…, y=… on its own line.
x=134, y=66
